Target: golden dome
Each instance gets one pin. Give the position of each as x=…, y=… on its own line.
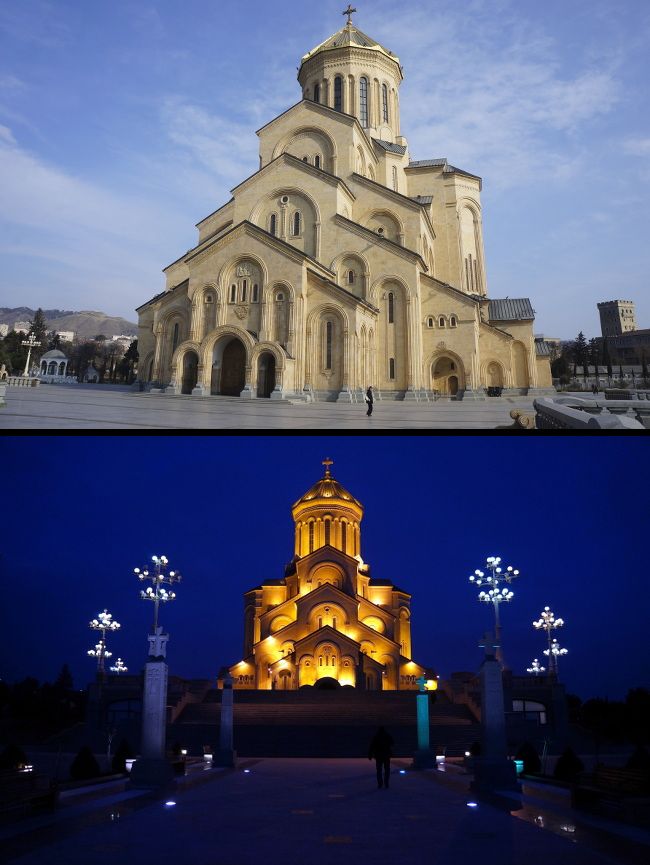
x=327, y=488
x=350, y=37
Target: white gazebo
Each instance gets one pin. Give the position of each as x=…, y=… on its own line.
x=54, y=366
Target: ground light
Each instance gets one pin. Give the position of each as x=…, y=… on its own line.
x=402, y=771
x=247, y=771
x=472, y=804
x=170, y=804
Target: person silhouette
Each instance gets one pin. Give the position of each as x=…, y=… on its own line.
x=369, y=401
x=380, y=750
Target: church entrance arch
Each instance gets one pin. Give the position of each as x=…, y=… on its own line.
x=494, y=374
x=228, y=367
x=190, y=371
x=447, y=375
x=326, y=683
x=265, y=375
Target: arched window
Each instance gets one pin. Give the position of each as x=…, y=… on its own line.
x=384, y=100
x=316, y=92
x=350, y=277
x=328, y=345
x=452, y=321
x=395, y=178
x=273, y=224
x=311, y=537
x=344, y=528
x=305, y=159
x=317, y=160
x=256, y=293
x=430, y=322
x=327, y=531
x=338, y=106
x=296, y=223
x=244, y=290
x=441, y=322
x=233, y=293
x=391, y=307
x=391, y=368
x=175, y=337
x=363, y=101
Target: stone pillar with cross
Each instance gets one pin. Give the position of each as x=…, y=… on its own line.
x=492, y=769
x=31, y=343
x=349, y=11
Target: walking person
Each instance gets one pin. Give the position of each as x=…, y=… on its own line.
x=369, y=400
x=380, y=750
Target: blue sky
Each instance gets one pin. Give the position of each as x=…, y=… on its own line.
x=562, y=510
x=124, y=123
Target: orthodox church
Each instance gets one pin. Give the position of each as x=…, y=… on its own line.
x=327, y=622
x=341, y=263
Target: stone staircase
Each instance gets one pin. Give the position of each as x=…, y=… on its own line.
x=313, y=723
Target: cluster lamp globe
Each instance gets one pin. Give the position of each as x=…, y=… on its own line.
x=547, y=622
x=119, y=667
x=553, y=653
x=494, y=592
x=535, y=668
x=103, y=623
x=159, y=577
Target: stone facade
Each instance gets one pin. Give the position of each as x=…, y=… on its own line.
x=327, y=622
x=341, y=263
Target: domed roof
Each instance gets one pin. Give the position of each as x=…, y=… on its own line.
x=55, y=354
x=350, y=37
x=328, y=488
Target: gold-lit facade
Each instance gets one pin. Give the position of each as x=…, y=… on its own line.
x=327, y=621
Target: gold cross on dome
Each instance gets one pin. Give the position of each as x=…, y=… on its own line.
x=327, y=463
x=349, y=12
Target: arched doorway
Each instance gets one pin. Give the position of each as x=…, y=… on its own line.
x=326, y=683
x=233, y=368
x=494, y=375
x=519, y=365
x=446, y=375
x=265, y=375
x=190, y=371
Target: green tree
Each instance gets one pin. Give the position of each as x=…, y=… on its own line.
x=132, y=357
x=14, y=348
x=53, y=341
x=607, y=361
x=39, y=331
x=580, y=352
x=644, y=367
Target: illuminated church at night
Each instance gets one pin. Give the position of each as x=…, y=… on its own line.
x=327, y=622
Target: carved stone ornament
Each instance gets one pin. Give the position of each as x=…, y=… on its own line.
x=244, y=270
x=241, y=310
x=442, y=344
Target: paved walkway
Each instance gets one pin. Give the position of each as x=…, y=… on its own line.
x=105, y=407
x=309, y=812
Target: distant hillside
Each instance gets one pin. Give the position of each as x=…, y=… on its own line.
x=85, y=324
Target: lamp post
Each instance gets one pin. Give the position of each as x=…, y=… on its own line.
x=156, y=591
x=495, y=594
x=119, y=667
x=31, y=343
x=547, y=622
x=535, y=668
x=103, y=623
x=553, y=652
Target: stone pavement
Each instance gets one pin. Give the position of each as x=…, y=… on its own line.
x=105, y=407
x=312, y=812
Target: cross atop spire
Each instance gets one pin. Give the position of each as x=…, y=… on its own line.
x=349, y=12
x=327, y=462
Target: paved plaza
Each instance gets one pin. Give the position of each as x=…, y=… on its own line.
x=292, y=812
x=91, y=407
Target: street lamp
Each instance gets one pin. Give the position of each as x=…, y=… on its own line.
x=31, y=343
x=156, y=591
x=495, y=594
x=535, y=668
x=553, y=652
x=547, y=622
x=103, y=623
x=119, y=667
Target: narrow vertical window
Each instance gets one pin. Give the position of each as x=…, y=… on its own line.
x=175, y=337
x=395, y=178
x=296, y=223
x=244, y=289
x=327, y=531
x=441, y=322
x=328, y=345
x=273, y=225
x=344, y=527
x=467, y=274
x=452, y=321
x=338, y=88
x=471, y=272
x=311, y=537
x=317, y=160
x=384, y=99
x=476, y=274
x=363, y=101
x=316, y=92
x=391, y=368
x=350, y=277
x=391, y=307
x=256, y=294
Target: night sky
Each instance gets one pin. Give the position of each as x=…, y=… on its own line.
x=570, y=513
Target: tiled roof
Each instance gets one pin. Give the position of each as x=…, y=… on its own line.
x=422, y=199
x=392, y=148
x=542, y=348
x=511, y=309
x=350, y=37
x=426, y=163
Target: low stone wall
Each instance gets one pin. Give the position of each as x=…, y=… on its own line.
x=574, y=413
x=21, y=381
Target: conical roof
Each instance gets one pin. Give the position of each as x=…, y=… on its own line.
x=350, y=37
x=327, y=488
